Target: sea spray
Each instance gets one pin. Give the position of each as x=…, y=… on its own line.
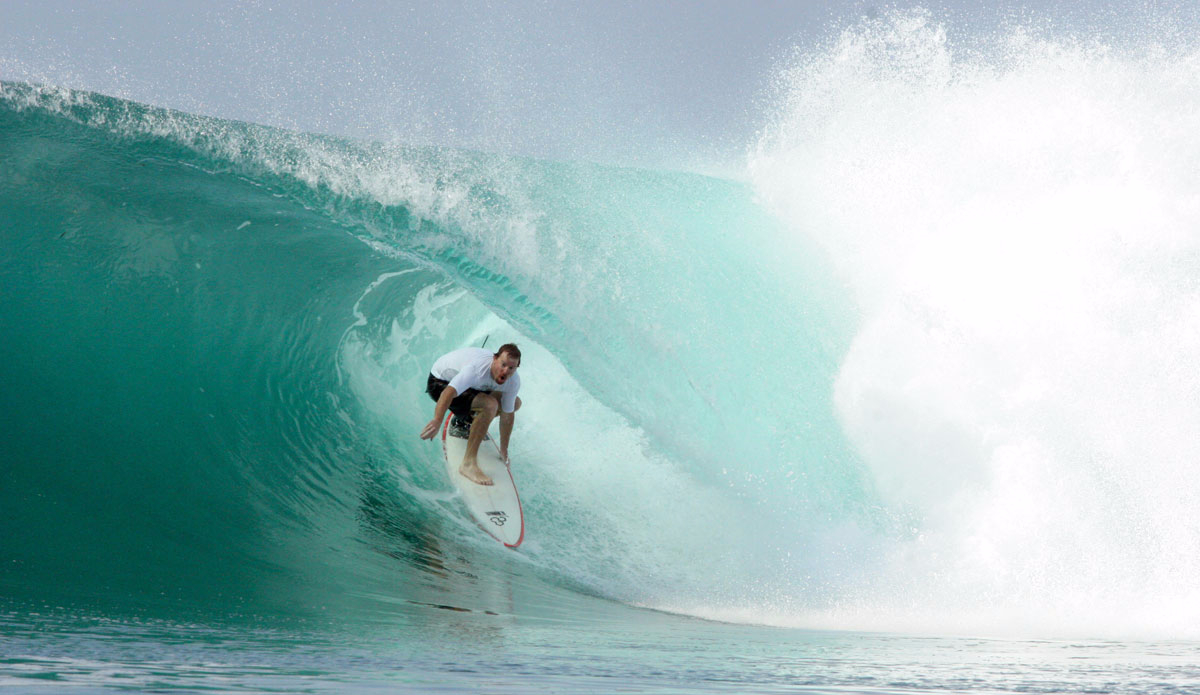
x=1018, y=226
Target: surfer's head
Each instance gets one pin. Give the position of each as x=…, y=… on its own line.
x=505, y=362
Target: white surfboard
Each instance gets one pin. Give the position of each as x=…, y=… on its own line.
x=496, y=508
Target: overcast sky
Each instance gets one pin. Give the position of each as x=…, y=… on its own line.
x=640, y=82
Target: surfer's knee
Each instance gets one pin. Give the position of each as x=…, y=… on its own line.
x=518, y=405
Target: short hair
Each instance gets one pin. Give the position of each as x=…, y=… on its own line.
x=511, y=349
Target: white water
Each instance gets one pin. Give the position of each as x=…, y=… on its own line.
x=1020, y=226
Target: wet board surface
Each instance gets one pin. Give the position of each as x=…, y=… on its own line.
x=496, y=508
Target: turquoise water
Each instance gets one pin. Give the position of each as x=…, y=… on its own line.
x=906, y=410
x=589, y=646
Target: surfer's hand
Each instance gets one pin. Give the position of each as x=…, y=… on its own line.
x=430, y=430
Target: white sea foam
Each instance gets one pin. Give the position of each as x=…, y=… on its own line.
x=1020, y=227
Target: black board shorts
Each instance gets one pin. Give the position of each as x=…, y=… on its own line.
x=461, y=405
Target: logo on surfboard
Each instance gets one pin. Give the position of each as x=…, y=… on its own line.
x=497, y=518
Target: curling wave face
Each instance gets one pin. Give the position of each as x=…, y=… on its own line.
x=220, y=333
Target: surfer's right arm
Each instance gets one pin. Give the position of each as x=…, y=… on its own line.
x=439, y=412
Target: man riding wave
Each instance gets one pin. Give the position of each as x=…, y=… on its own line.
x=475, y=385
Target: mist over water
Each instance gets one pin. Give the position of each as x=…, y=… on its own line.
x=1017, y=222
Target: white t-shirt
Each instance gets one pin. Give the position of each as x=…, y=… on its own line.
x=471, y=368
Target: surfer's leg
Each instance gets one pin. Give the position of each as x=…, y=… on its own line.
x=485, y=407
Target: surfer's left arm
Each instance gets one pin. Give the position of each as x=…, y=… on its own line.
x=506, y=425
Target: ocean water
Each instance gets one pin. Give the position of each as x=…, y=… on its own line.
x=910, y=407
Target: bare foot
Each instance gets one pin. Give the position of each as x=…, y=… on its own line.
x=471, y=471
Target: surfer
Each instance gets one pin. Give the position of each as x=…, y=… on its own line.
x=475, y=385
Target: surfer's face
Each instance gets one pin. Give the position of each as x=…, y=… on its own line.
x=503, y=366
